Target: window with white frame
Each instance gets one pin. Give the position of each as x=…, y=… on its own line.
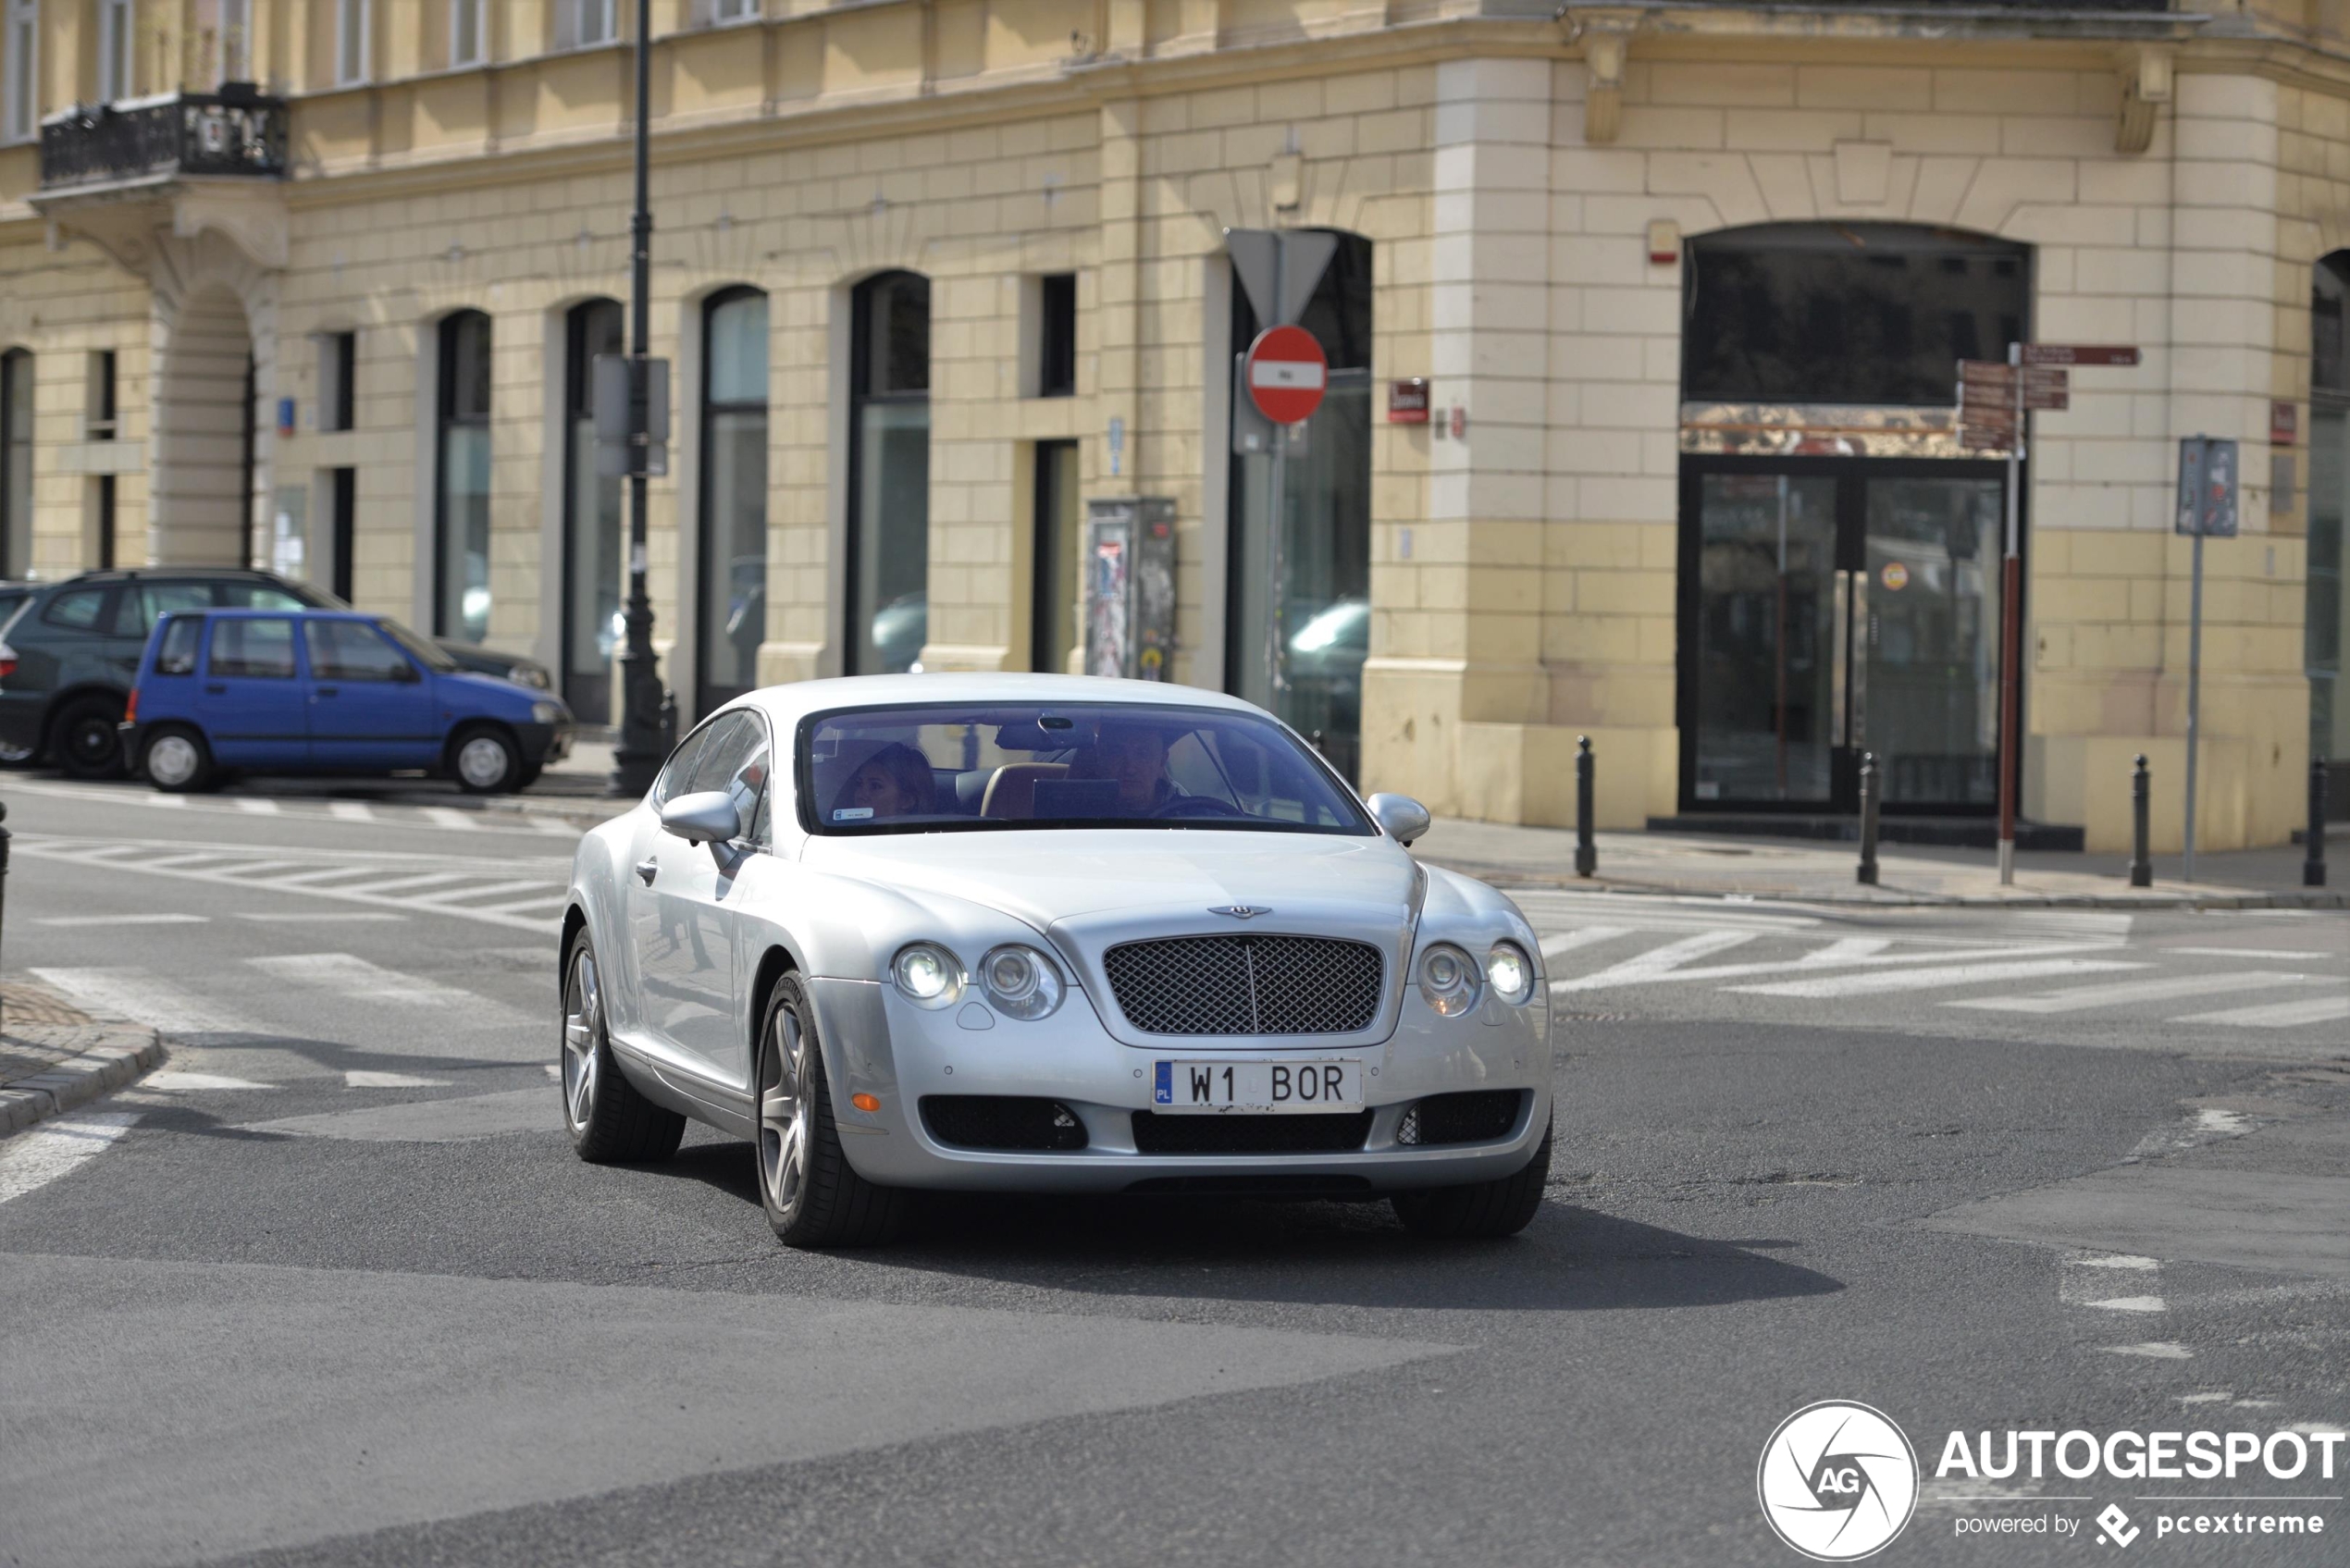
x=351, y=29
x=20, y=72
x=718, y=13
x=580, y=24
x=469, y=31
x=117, y=38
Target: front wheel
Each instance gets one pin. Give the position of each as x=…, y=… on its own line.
x=84, y=739
x=811, y=1195
x=1482, y=1209
x=610, y=1122
x=485, y=761
x=177, y=761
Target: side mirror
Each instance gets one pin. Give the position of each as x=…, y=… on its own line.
x=705, y=817
x=1403, y=818
x=404, y=675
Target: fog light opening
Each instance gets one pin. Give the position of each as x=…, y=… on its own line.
x=1061, y=1116
x=1407, y=1131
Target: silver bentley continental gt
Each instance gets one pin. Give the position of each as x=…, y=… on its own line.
x=1046, y=933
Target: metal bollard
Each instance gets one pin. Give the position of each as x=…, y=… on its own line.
x=2313, y=864
x=1587, y=854
x=1867, y=873
x=2141, y=802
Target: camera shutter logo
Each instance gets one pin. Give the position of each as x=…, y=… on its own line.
x=1838, y=1481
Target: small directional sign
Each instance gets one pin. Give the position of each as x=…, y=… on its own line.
x=2079, y=353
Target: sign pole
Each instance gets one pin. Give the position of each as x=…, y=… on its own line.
x=2010, y=634
x=1277, y=670
x=2194, y=690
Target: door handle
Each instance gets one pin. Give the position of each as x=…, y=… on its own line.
x=216, y=688
x=648, y=870
x=328, y=691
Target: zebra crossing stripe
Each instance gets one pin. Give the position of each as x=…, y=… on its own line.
x=1657, y=961
x=1587, y=936
x=2277, y=1014
x=449, y=817
x=149, y=999
x=347, y=975
x=351, y=811
x=1875, y=982
x=2122, y=993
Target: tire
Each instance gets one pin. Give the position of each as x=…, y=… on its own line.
x=485, y=759
x=84, y=739
x=811, y=1195
x=177, y=761
x=610, y=1122
x=529, y=775
x=1482, y=1210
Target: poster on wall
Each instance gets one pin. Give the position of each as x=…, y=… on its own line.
x=1130, y=587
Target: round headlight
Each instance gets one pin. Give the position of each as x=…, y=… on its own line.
x=546, y=712
x=927, y=975
x=1509, y=973
x=1021, y=982
x=1448, y=980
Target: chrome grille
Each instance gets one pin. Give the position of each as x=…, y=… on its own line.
x=1246, y=984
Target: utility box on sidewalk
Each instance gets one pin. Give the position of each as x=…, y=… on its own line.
x=1130, y=587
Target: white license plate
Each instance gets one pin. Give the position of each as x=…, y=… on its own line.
x=1257, y=1086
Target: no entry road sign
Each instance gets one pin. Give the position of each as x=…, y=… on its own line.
x=1286, y=374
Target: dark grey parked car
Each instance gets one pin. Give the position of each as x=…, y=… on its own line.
x=72, y=649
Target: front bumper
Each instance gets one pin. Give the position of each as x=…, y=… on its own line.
x=878, y=1044
x=545, y=744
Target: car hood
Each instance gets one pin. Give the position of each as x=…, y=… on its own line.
x=512, y=693
x=1053, y=875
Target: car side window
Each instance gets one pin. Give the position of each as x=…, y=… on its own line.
x=261, y=596
x=261, y=649
x=178, y=654
x=353, y=650
x=149, y=603
x=734, y=763
x=679, y=768
x=77, y=610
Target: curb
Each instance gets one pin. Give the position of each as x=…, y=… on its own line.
x=83, y=1078
x=1896, y=900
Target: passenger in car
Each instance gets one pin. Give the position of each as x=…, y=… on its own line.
x=1135, y=757
x=893, y=782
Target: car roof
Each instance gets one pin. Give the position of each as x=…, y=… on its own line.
x=147, y=574
x=785, y=706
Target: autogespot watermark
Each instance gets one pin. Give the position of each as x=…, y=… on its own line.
x=1839, y=1480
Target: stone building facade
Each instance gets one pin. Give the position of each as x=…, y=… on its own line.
x=1679, y=278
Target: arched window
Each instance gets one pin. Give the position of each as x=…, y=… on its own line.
x=16, y=462
x=888, y=475
x=461, y=566
x=733, y=495
x=592, y=540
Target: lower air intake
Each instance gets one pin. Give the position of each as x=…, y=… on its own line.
x=1479, y=1116
x=1240, y=1133
x=1010, y=1122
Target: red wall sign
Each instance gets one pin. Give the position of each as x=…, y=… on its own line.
x=1286, y=374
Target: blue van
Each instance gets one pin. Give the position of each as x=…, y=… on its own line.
x=322, y=691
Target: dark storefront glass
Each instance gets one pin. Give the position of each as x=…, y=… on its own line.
x=1321, y=628
x=734, y=518
x=2327, y=608
x=1858, y=312
x=889, y=475
x=592, y=564
x=461, y=604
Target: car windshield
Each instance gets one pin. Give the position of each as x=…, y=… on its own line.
x=932, y=768
x=427, y=651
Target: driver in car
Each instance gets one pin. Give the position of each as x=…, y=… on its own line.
x=1134, y=756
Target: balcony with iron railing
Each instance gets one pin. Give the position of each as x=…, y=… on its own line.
x=236, y=132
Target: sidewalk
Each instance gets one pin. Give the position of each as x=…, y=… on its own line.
x=1812, y=872
x=55, y=1057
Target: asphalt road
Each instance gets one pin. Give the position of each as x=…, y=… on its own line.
x=331, y=1288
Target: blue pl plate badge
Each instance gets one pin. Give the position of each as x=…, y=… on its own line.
x=1163, y=1091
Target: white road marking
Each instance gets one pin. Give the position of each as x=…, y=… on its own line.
x=555, y=1069
x=256, y=806
x=2117, y=1260
x=149, y=999
x=449, y=817
x=319, y=917
x=1855, y=953
x=1565, y=942
x=2122, y=993
x=554, y=828
x=122, y=920
x=357, y=1080
x=1657, y=961
x=2157, y=1350
x=349, y=975
x=2131, y=1303
x=177, y=1080
x=2257, y=952
x=2209, y=1396
x=351, y=811
x=495, y=890
x=37, y=1157
x=1876, y=982
x=2277, y=1014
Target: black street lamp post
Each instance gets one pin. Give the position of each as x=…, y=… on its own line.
x=646, y=717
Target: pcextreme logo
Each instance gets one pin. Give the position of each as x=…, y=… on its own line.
x=1837, y=1481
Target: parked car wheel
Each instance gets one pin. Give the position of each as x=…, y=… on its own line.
x=485, y=761
x=610, y=1122
x=177, y=760
x=811, y=1195
x=1483, y=1209
x=84, y=740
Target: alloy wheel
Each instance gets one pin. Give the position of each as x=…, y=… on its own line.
x=784, y=1111
x=482, y=761
x=583, y=1012
x=172, y=760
